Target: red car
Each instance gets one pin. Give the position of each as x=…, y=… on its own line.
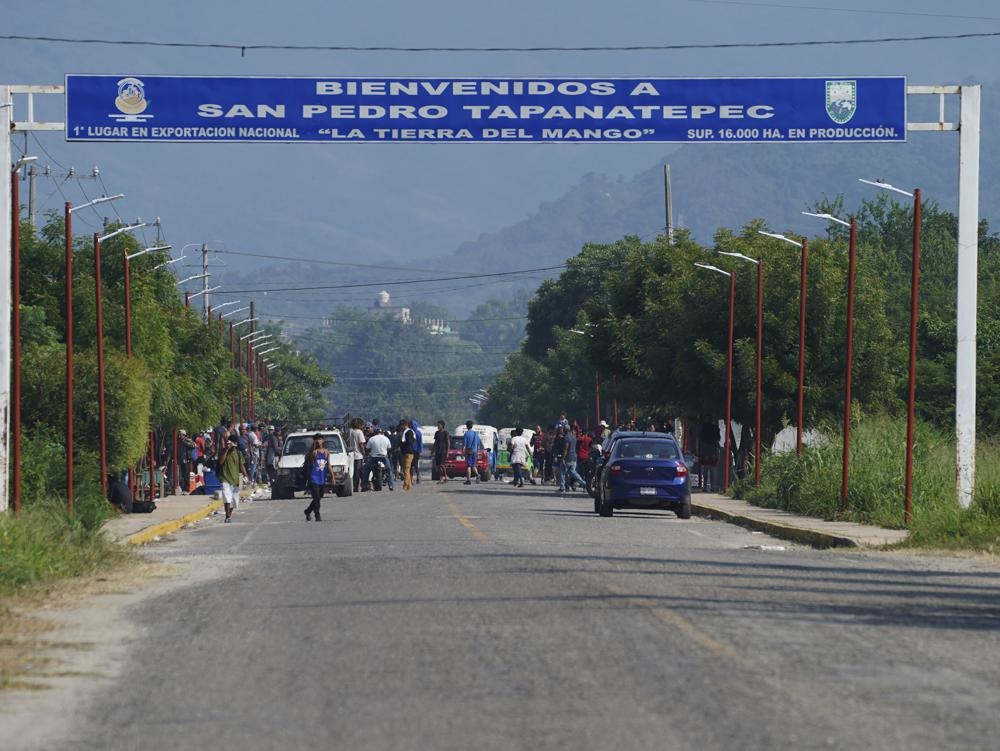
x=456, y=466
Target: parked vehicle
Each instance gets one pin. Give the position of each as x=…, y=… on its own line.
x=293, y=454
x=644, y=471
x=455, y=465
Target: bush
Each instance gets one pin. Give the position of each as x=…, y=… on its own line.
x=810, y=485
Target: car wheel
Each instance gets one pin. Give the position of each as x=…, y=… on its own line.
x=606, y=506
x=683, y=509
x=597, y=500
x=345, y=490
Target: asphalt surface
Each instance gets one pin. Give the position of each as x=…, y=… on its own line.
x=486, y=617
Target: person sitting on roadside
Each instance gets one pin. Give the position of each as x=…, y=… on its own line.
x=119, y=495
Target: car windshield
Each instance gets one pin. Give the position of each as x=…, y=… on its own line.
x=300, y=444
x=647, y=449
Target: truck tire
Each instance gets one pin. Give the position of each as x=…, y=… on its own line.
x=346, y=489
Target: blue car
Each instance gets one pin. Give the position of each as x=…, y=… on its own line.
x=644, y=471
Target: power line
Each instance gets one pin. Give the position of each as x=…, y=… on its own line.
x=299, y=259
x=382, y=320
x=396, y=283
x=244, y=48
x=783, y=6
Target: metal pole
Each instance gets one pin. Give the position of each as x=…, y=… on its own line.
x=128, y=307
x=729, y=381
x=232, y=365
x=802, y=347
x=68, y=226
x=911, y=388
x=15, y=306
x=597, y=395
x=668, y=195
x=152, y=464
x=968, y=250
x=205, y=308
x=7, y=110
x=173, y=463
x=100, y=365
x=760, y=350
x=31, y=196
x=849, y=366
x=250, y=377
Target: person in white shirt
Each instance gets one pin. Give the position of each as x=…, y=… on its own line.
x=518, y=456
x=356, y=449
x=378, y=451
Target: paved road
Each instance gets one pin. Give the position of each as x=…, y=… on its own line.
x=488, y=618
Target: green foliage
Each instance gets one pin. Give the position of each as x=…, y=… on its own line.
x=810, y=485
x=45, y=542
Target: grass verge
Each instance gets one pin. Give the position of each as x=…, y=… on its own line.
x=810, y=485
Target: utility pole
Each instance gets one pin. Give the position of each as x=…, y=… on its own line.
x=204, y=282
x=668, y=198
x=31, y=196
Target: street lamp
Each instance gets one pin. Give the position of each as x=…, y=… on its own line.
x=226, y=304
x=802, y=329
x=203, y=291
x=597, y=376
x=128, y=292
x=911, y=389
x=848, y=368
x=760, y=349
x=729, y=365
x=234, y=312
x=69, y=210
x=98, y=239
x=168, y=263
x=256, y=335
x=266, y=351
x=15, y=245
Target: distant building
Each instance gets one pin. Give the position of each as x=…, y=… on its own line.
x=383, y=305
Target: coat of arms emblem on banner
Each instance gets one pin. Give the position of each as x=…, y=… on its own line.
x=841, y=100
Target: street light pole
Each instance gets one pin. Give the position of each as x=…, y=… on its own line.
x=729, y=367
x=911, y=386
x=759, y=263
x=849, y=348
x=802, y=332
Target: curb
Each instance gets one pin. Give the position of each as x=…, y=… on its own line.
x=811, y=537
x=165, y=528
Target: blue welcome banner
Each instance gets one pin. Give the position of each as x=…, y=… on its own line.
x=526, y=110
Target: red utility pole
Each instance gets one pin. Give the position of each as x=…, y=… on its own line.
x=911, y=389
x=729, y=381
x=849, y=367
x=760, y=350
x=232, y=365
x=173, y=473
x=68, y=226
x=250, y=376
x=15, y=244
x=802, y=347
x=597, y=395
x=100, y=364
x=187, y=299
x=152, y=464
x=128, y=307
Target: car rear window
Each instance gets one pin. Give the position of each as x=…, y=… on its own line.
x=457, y=442
x=638, y=448
x=300, y=444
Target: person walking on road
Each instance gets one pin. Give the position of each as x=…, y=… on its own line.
x=317, y=465
x=471, y=445
x=568, y=467
x=407, y=448
x=518, y=456
x=231, y=470
x=356, y=449
x=441, y=443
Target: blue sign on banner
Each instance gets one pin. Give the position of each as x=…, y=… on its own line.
x=524, y=110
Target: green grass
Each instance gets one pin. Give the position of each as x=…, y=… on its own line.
x=810, y=485
x=45, y=542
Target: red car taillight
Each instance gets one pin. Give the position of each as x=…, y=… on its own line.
x=615, y=469
x=682, y=470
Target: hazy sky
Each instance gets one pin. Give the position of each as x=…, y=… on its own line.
x=401, y=202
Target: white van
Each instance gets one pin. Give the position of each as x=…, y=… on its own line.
x=293, y=454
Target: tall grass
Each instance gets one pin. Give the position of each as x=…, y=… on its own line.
x=810, y=485
x=46, y=541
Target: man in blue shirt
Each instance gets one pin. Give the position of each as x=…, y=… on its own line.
x=471, y=446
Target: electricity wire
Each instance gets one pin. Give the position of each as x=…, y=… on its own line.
x=827, y=8
x=246, y=47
